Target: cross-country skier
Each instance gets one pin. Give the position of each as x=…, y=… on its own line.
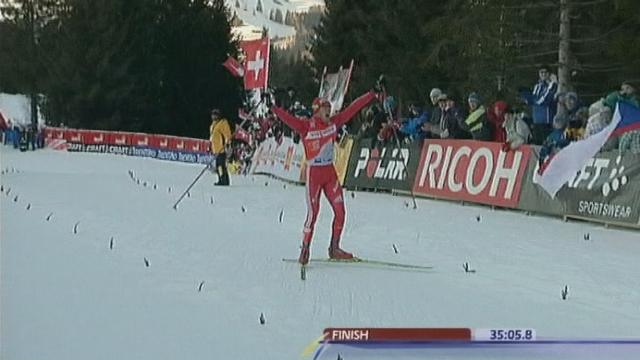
x=318, y=135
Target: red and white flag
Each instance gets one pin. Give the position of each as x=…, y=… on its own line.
x=242, y=135
x=234, y=67
x=256, y=63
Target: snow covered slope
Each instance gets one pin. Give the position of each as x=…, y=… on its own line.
x=261, y=13
x=66, y=295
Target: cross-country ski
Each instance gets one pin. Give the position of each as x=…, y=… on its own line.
x=362, y=262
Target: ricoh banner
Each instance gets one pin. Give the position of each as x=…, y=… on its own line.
x=607, y=189
x=473, y=171
x=382, y=167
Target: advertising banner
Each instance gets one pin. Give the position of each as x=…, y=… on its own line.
x=119, y=138
x=94, y=137
x=472, y=171
x=382, y=167
x=133, y=144
x=341, y=161
x=141, y=140
x=282, y=159
x=534, y=198
x=72, y=135
x=607, y=189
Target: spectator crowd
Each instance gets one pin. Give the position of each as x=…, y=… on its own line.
x=21, y=136
x=541, y=115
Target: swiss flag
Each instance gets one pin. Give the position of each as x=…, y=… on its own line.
x=234, y=67
x=256, y=63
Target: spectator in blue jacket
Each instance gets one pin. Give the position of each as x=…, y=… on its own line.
x=543, y=104
x=412, y=126
x=555, y=141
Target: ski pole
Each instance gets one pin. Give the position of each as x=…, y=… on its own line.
x=395, y=135
x=175, y=206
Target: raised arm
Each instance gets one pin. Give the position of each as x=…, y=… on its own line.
x=347, y=114
x=293, y=122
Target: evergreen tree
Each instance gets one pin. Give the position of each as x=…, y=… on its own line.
x=147, y=65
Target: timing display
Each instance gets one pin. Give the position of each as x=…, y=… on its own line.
x=504, y=334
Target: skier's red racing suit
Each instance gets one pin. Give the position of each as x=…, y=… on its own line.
x=318, y=139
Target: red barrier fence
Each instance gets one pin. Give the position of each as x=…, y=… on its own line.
x=98, y=137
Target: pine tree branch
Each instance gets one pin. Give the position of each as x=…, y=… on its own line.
x=575, y=3
x=536, y=5
x=544, y=53
x=603, y=35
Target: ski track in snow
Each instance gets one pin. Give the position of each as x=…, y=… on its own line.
x=68, y=296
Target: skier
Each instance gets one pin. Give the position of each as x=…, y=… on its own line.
x=318, y=135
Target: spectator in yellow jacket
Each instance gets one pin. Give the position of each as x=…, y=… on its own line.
x=220, y=139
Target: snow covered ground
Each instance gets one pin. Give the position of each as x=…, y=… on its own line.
x=67, y=295
x=249, y=12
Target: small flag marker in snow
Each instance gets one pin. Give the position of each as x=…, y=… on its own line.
x=478, y=218
x=146, y=262
x=281, y=216
x=565, y=292
x=49, y=216
x=111, y=243
x=467, y=268
x=28, y=206
x=395, y=249
x=75, y=227
x=15, y=199
x=200, y=286
x=262, y=319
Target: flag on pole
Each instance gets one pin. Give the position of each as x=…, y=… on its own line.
x=234, y=67
x=567, y=162
x=333, y=87
x=256, y=63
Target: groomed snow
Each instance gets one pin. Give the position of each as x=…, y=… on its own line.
x=68, y=296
